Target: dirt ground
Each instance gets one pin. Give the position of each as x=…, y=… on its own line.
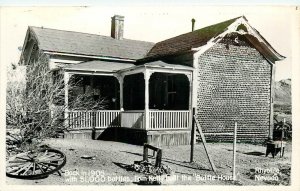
x=110, y=159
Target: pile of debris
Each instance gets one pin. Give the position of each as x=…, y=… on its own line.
x=13, y=143
x=149, y=168
x=154, y=173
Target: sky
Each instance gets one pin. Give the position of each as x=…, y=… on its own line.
x=149, y=23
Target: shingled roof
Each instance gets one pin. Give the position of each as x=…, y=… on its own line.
x=84, y=44
x=187, y=41
x=70, y=42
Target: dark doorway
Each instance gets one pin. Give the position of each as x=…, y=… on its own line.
x=134, y=92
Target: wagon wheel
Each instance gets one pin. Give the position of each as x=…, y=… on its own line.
x=31, y=165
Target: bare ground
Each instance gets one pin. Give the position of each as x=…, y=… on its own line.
x=110, y=159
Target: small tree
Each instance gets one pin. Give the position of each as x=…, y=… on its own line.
x=37, y=109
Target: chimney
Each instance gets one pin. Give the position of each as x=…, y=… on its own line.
x=193, y=24
x=117, y=27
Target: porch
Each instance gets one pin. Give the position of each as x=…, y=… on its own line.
x=155, y=98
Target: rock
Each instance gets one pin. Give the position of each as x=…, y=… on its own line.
x=86, y=157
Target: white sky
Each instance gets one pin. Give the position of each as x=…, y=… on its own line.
x=148, y=23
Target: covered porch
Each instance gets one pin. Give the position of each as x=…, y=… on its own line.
x=153, y=97
x=156, y=96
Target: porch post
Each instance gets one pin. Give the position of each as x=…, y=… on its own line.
x=192, y=111
x=190, y=78
x=66, y=87
x=121, y=82
x=147, y=75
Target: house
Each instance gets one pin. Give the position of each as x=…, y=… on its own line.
x=225, y=71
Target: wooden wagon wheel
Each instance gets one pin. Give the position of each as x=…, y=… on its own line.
x=39, y=164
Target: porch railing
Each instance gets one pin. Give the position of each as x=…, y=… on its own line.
x=160, y=120
x=133, y=119
x=90, y=119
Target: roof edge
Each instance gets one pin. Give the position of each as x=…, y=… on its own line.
x=90, y=56
x=29, y=32
x=178, y=52
x=233, y=28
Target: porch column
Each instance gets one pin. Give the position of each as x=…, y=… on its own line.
x=67, y=76
x=66, y=85
x=147, y=75
x=190, y=78
x=121, y=82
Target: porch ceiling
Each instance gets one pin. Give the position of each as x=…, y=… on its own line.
x=99, y=66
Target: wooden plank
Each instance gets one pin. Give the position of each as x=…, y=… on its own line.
x=176, y=120
x=204, y=143
x=234, y=150
x=77, y=120
x=155, y=149
x=145, y=153
x=158, y=158
x=192, y=139
x=157, y=120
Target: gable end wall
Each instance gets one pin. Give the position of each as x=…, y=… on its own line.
x=234, y=85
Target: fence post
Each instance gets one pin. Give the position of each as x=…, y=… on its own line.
x=234, y=151
x=192, y=137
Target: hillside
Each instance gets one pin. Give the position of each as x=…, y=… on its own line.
x=283, y=100
x=283, y=92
